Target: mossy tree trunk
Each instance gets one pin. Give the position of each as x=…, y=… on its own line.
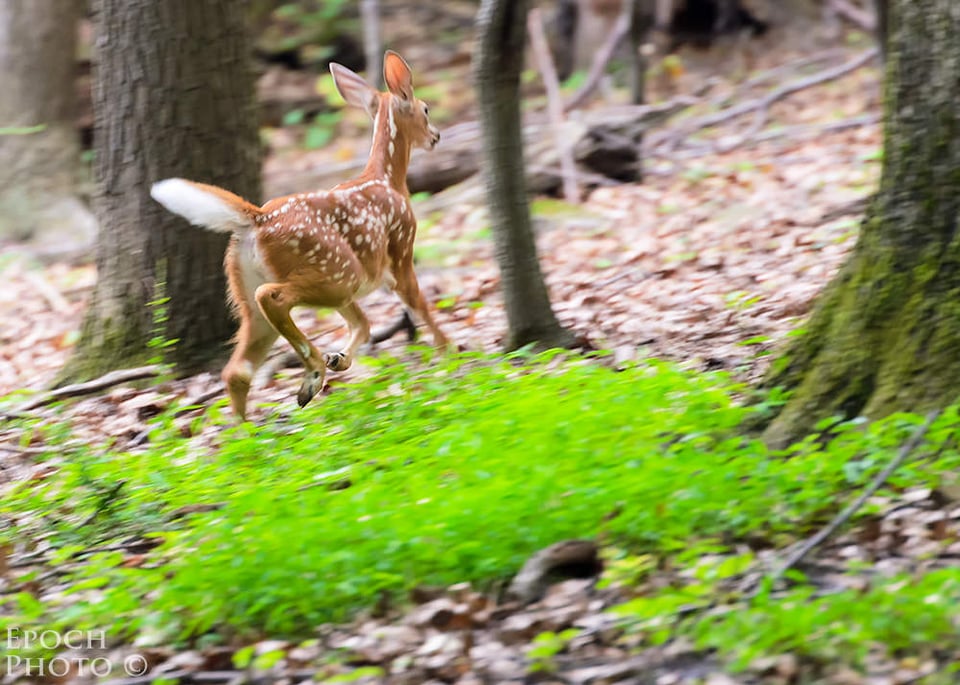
x=501, y=26
x=173, y=96
x=885, y=334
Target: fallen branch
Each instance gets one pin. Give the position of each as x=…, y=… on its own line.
x=759, y=106
x=796, y=132
x=199, y=401
x=548, y=73
x=797, y=556
x=90, y=387
x=186, y=677
x=752, y=587
x=777, y=73
x=600, y=60
x=403, y=323
x=862, y=18
x=763, y=108
x=853, y=208
x=54, y=298
x=569, y=558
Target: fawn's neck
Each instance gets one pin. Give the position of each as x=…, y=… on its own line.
x=390, y=151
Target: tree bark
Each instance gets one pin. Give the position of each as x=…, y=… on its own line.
x=40, y=149
x=885, y=334
x=173, y=96
x=501, y=28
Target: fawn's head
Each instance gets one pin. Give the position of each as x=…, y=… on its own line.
x=398, y=108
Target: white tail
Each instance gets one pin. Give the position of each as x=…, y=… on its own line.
x=323, y=249
x=203, y=205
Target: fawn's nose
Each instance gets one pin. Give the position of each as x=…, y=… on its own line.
x=434, y=136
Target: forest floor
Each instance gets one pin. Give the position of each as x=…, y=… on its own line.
x=711, y=262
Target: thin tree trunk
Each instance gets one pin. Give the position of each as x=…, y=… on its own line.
x=883, y=21
x=501, y=27
x=885, y=334
x=174, y=96
x=642, y=20
x=40, y=149
x=372, y=45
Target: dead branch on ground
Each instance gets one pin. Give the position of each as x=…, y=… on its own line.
x=605, y=139
x=90, y=387
x=671, y=140
x=840, y=519
x=864, y=19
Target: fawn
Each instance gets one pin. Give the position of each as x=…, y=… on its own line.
x=322, y=249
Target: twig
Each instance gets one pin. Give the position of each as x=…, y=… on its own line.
x=88, y=388
x=600, y=60
x=797, y=556
x=548, y=72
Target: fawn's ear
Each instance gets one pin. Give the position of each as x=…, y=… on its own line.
x=354, y=90
x=397, y=76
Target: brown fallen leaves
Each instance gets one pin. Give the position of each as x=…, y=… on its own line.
x=712, y=262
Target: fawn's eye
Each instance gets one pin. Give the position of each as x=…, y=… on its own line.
x=426, y=111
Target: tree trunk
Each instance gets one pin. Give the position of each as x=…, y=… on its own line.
x=885, y=334
x=40, y=149
x=501, y=28
x=174, y=96
x=372, y=45
x=883, y=22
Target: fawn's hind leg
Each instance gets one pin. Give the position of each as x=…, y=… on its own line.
x=275, y=301
x=254, y=340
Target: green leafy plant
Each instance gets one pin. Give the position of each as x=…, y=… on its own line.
x=456, y=470
x=546, y=646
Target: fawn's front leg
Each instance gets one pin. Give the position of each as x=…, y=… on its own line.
x=359, y=334
x=408, y=289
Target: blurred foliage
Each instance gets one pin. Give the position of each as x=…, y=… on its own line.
x=318, y=131
x=309, y=28
x=21, y=130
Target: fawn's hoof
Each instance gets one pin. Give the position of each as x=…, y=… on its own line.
x=336, y=361
x=311, y=385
